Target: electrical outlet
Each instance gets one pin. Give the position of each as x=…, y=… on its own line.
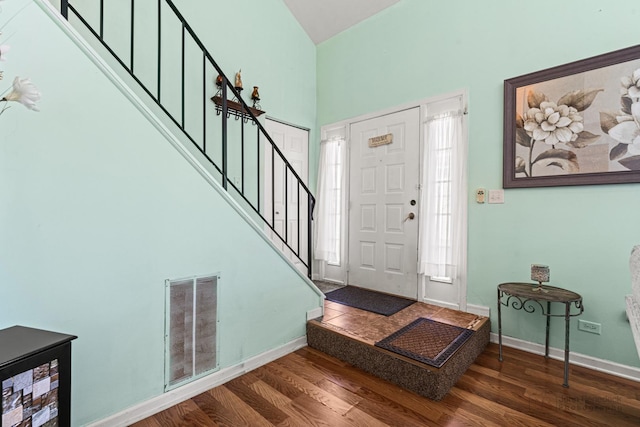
x=594, y=328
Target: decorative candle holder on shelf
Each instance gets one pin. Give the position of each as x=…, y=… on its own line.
x=540, y=273
x=234, y=106
x=255, y=96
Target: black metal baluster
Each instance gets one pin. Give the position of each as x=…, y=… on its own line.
x=204, y=102
x=224, y=132
x=273, y=186
x=286, y=204
x=182, y=58
x=64, y=9
x=242, y=155
x=258, y=169
x=132, y=33
x=310, y=206
x=159, y=49
x=299, y=221
x=102, y=19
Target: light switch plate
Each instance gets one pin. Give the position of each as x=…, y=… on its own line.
x=496, y=196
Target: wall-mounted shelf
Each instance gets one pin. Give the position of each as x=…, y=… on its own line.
x=236, y=109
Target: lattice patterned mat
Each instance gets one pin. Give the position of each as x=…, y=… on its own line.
x=427, y=341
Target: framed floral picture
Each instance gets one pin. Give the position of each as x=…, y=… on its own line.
x=575, y=124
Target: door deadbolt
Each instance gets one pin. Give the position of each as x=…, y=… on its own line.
x=412, y=203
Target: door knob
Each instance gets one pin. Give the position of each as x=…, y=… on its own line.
x=410, y=216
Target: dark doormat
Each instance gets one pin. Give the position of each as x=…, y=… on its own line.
x=365, y=299
x=426, y=341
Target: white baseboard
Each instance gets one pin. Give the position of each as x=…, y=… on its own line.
x=315, y=313
x=479, y=310
x=166, y=400
x=441, y=303
x=606, y=366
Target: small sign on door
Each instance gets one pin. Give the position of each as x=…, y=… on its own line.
x=381, y=140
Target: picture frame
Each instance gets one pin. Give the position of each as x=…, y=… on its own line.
x=574, y=124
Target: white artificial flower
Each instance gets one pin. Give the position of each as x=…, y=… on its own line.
x=24, y=92
x=3, y=50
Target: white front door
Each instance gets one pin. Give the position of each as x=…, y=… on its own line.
x=284, y=201
x=383, y=203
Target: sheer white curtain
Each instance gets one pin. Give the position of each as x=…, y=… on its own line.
x=328, y=214
x=444, y=197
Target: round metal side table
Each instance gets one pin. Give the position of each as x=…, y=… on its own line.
x=522, y=296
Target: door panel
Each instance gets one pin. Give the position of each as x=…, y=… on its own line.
x=293, y=142
x=383, y=241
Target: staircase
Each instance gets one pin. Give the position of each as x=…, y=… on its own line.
x=191, y=94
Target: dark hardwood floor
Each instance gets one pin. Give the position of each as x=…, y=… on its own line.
x=309, y=388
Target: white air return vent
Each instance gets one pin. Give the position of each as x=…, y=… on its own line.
x=191, y=318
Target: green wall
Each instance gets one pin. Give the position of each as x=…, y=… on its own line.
x=98, y=210
x=422, y=48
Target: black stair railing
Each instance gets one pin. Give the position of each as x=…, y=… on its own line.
x=276, y=196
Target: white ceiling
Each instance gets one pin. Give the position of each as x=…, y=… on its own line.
x=322, y=19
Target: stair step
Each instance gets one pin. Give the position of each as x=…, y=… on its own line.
x=350, y=334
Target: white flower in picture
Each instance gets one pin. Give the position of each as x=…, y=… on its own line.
x=627, y=132
x=559, y=126
x=553, y=123
x=631, y=85
x=624, y=125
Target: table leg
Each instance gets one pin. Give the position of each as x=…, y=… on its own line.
x=546, y=342
x=499, y=327
x=567, y=320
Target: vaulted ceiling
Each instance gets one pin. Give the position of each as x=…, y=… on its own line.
x=322, y=19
